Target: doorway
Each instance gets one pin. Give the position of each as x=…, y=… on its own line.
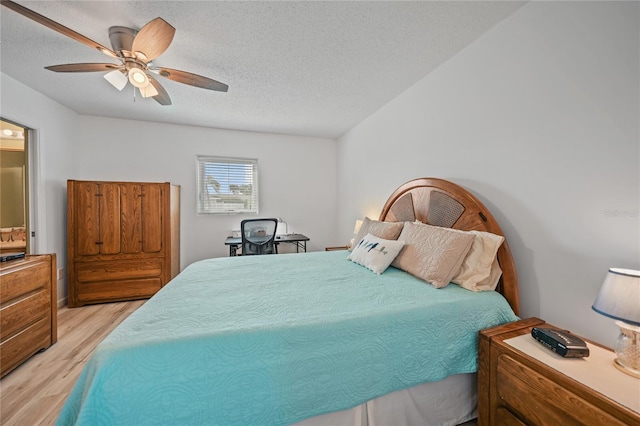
x=14, y=188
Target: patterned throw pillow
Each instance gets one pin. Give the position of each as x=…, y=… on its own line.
x=375, y=253
x=384, y=230
x=432, y=253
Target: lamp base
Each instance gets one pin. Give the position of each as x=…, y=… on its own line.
x=634, y=373
x=628, y=349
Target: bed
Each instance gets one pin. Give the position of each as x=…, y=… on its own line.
x=313, y=338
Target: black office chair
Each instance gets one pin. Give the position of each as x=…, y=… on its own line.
x=258, y=236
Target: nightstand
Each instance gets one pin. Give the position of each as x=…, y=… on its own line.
x=520, y=382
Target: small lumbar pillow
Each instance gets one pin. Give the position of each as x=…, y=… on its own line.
x=432, y=253
x=375, y=253
x=384, y=230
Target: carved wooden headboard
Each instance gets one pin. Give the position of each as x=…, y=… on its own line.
x=442, y=203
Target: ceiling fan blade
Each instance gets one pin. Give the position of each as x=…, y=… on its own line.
x=192, y=79
x=57, y=27
x=162, y=97
x=84, y=67
x=153, y=39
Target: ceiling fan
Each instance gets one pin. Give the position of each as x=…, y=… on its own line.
x=135, y=50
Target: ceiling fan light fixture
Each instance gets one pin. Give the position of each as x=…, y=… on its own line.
x=149, y=91
x=138, y=78
x=117, y=79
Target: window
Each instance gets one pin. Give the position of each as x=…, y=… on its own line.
x=227, y=185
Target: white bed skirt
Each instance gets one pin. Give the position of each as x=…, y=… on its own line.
x=451, y=401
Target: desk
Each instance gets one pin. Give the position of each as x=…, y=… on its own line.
x=298, y=239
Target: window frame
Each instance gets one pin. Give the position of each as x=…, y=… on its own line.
x=220, y=162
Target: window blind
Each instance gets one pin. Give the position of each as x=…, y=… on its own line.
x=227, y=185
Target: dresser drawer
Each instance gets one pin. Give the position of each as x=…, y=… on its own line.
x=28, y=277
x=24, y=311
x=21, y=346
x=541, y=400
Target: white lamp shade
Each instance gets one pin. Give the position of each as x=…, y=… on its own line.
x=357, y=227
x=619, y=296
x=148, y=91
x=117, y=79
x=138, y=77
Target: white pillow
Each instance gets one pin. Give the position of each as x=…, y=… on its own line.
x=375, y=253
x=480, y=270
x=491, y=282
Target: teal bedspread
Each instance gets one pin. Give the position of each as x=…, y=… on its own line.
x=271, y=340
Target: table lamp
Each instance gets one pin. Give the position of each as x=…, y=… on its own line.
x=357, y=226
x=619, y=298
x=356, y=229
x=286, y=226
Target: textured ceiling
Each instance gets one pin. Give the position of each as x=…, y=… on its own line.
x=301, y=67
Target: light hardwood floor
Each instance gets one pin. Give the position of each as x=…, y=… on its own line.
x=34, y=393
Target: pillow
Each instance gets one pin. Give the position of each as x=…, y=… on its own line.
x=375, y=253
x=384, y=230
x=432, y=253
x=479, y=262
x=491, y=282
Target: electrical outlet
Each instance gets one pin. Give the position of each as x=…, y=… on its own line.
x=60, y=273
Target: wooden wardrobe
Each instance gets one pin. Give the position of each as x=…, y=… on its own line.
x=123, y=239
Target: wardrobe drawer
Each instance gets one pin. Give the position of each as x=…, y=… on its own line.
x=87, y=272
x=118, y=290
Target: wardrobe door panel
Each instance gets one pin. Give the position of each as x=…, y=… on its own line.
x=152, y=225
x=109, y=218
x=86, y=210
x=131, y=199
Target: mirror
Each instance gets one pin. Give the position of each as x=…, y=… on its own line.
x=13, y=188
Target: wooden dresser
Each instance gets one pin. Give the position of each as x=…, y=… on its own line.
x=520, y=382
x=123, y=239
x=28, y=309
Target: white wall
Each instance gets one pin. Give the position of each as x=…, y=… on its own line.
x=539, y=118
x=55, y=131
x=297, y=174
